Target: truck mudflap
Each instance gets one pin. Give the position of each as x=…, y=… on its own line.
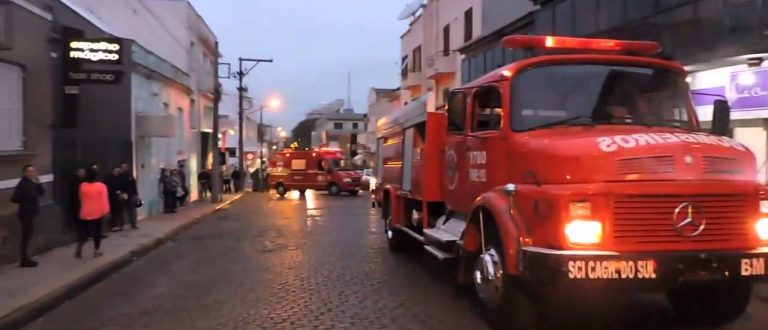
x=643, y=271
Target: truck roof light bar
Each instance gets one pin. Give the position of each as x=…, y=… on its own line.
x=584, y=44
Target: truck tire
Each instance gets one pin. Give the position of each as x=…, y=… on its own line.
x=353, y=192
x=333, y=189
x=397, y=240
x=712, y=303
x=280, y=188
x=504, y=303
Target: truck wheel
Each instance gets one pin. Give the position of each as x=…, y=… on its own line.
x=504, y=303
x=353, y=192
x=333, y=189
x=280, y=188
x=712, y=303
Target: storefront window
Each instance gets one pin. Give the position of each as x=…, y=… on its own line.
x=637, y=9
x=490, y=63
x=584, y=19
x=710, y=9
x=544, y=21
x=742, y=15
x=610, y=14
x=5, y=27
x=564, y=18
x=664, y=4
x=465, y=71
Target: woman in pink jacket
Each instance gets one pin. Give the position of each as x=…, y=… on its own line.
x=94, y=205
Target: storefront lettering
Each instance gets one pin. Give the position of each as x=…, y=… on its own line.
x=95, y=51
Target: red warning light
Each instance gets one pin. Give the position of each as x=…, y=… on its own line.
x=584, y=44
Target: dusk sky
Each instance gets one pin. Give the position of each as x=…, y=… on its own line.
x=314, y=44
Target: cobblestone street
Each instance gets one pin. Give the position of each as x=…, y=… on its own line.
x=315, y=263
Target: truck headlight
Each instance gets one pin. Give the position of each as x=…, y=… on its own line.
x=347, y=180
x=764, y=207
x=762, y=228
x=580, y=231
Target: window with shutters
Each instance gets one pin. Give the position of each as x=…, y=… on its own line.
x=11, y=107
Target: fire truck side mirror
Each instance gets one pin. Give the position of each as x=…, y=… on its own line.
x=721, y=118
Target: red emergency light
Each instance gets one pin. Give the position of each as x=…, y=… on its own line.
x=584, y=44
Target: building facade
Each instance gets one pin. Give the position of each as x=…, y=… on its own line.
x=172, y=87
x=430, y=60
x=64, y=108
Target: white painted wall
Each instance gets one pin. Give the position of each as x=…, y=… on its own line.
x=152, y=154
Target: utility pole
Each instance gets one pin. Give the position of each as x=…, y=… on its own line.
x=216, y=168
x=241, y=113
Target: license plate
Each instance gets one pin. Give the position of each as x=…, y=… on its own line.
x=612, y=269
x=752, y=266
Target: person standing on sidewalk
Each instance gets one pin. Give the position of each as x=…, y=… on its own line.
x=27, y=195
x=204, y=181
x=116, y=195
x=129, y=187
x=226, y=178
x=94, y=206
x=171, y=186
x=237, y=179
x=184, y=188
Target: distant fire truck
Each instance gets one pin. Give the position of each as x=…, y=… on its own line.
x=574, y=173
x=322, y=169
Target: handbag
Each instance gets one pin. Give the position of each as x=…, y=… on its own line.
x=138, y=202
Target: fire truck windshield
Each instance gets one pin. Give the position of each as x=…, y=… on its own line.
x=593, y=94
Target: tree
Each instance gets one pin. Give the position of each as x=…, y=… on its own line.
x=302, y=133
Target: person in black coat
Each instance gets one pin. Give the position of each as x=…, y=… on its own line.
x=27, y=195
x=129, y=187
x=116, y=196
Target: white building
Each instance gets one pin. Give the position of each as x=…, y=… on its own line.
x=172, y=92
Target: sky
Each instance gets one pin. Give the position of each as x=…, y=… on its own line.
x=314, y=44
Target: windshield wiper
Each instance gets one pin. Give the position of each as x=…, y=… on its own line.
x=566, y=121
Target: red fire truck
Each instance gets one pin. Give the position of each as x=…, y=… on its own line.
x=323, y=169
x=580, y=171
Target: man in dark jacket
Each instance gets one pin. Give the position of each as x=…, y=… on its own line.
x=116, y=197
x=27, y=196
x=182, y=175
x=128, y=186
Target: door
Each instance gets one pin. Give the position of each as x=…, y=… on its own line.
x=455, y=176
x=486, y=148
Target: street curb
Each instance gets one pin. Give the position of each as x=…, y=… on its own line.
x=32, y=311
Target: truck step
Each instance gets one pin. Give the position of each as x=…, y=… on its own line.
x=439, y=235
x=439, y=254
x=410, y=233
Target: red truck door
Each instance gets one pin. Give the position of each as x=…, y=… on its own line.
x=487, y=151
x=456, y=148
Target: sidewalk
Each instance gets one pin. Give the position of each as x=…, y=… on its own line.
x=27, y=293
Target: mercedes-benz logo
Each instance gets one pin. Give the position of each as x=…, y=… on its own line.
x=689, y=220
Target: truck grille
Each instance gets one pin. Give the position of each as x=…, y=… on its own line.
x=720, y=165
x=646, y=165
x=648, y=219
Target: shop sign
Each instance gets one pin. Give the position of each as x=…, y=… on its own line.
x=745, y=90
x=749, y=90
x=95, y=51
x=95, y=76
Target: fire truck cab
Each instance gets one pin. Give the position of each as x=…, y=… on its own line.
x=323, y=169
x=579, y=172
